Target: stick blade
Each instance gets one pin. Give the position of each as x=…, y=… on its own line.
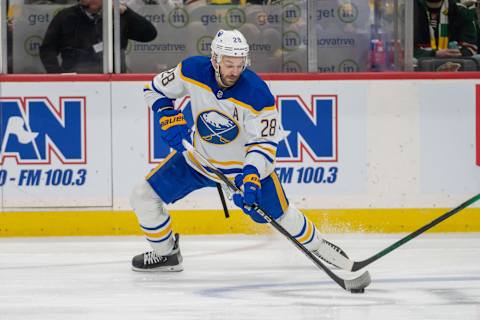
x=360, y=282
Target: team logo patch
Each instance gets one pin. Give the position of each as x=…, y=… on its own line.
x=215, y=127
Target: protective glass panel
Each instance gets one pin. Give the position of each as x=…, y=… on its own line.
x=275, y=31
x=359, y=35
x=352, y=35
x=73, y=42
x=387, y=41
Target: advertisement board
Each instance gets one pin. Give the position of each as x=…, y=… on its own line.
x=448, y=130
x=350, y=144
x=56, y=144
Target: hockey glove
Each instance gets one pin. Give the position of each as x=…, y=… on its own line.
x=173, y=128
x=251, y=190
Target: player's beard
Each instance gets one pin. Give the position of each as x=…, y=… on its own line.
x=230, y=80
x=224, y=81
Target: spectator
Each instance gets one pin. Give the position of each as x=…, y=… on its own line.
x=76, y=34
x=473, y=7
x=441, y=25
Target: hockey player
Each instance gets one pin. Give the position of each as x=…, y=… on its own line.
x=237, y=128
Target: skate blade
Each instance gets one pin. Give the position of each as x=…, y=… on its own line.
x=176, y=268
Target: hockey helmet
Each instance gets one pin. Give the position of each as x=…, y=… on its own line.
x=230, y=43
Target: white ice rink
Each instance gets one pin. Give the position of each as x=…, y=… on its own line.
x=435, y=276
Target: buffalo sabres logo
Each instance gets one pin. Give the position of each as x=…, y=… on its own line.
x=216, y=127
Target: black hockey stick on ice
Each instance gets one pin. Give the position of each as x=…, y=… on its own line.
x=356, y=284
x=357, y=265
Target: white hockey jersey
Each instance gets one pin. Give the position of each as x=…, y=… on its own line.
x=232, y=127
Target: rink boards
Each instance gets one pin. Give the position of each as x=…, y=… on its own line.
x=361, y=152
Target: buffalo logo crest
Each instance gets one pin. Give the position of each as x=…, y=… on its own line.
x=216, y=127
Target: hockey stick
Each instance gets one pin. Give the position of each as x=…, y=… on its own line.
x=356, y=284
x=222, y=199
x=357, y=265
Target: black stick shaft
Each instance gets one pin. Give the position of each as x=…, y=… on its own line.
x=222, y=199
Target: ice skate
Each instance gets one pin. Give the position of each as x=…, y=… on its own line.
x=152, y=262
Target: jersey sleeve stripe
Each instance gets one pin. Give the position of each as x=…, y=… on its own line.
x=262, y=153
x=262, y=142
x=271, y=151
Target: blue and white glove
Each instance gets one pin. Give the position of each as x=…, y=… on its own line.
x=252, y=191
x=173, y=128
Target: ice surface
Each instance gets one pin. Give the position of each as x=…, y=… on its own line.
x=435, y=276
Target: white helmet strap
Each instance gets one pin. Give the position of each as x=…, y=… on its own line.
x=218, y=77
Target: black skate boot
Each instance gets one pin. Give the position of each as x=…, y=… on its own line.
x=151, y=261
x=334, y=255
